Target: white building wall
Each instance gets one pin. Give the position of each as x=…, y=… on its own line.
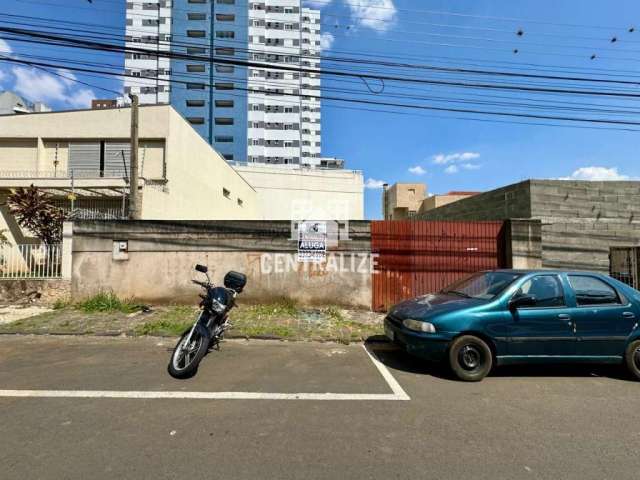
x=148, y=27
x=305, y=193
x=284, y=128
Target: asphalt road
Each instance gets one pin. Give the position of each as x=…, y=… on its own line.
x=558, y=422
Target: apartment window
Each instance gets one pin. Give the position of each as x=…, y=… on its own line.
x=226, y=2
x=196, y=50
x=195, y=120
x=225, y=68
x=226, y=51
x=228, y=156
x=226, y=193
x=197, y=1
x=195, y=86
x=224, y=86
x=196, y=33
x=224, y=121
x=225, y=34
x=196, y=16
x=224, y=139
x=224, y=103
x=195, y=68
x=225, y=17
x=195, y=103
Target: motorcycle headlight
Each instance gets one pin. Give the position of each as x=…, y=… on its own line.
x=419, y=326
x=217, y=306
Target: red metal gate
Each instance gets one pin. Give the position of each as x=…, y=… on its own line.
x=418, y=257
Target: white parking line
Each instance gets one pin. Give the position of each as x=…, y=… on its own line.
x=398, y=392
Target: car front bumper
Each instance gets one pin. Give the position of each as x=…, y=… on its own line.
x=430, y=346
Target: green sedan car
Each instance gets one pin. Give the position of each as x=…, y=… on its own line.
x=505, y=317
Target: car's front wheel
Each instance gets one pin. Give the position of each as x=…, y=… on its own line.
x=470, y=358
x=632, y=356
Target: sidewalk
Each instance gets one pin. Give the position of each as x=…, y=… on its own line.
x=283, y=321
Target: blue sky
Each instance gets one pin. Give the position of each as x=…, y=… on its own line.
x=447, y=151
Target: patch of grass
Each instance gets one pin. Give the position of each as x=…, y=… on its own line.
x=107, y=302
x=61, y=304
x=333, y=313
x=173, y=321
x=283, y=308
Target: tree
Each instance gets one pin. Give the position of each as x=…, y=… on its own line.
x=35, y=211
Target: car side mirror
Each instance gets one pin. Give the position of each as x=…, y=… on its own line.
x=202, y=268
x=522, y=300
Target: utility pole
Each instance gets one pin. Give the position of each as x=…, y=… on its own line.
x=134, y=207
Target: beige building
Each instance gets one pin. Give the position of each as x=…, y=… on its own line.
x=84, y=156
x=435, y=201
x=403, y=201
x=295, y=193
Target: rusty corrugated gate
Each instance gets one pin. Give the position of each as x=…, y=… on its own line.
x=418, y=257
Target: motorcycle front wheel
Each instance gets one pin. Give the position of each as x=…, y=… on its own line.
x=186, y=357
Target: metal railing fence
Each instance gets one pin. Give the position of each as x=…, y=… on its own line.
x=30, y=261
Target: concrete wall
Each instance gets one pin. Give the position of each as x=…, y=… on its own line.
x=162, y=256
x=512, y=201
x=582, y=220
x=293, y=193
x=40, y=292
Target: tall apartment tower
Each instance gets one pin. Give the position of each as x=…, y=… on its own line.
x=253, y=114
x=149, y=28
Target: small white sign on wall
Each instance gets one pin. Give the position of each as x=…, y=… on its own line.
x=312, y=242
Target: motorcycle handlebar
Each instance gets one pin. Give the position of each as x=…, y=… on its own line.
x=202, y=284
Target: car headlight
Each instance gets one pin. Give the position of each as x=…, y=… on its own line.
x=419, y=326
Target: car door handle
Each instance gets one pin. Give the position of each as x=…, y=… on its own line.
x=629, y=315
x=564, y=316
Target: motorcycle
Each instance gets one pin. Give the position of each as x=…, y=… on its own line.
x=208, y=329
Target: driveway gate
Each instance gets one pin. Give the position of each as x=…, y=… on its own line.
x=418, y=257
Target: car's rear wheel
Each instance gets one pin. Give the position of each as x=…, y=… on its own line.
x=632, y=356
x=470, y=358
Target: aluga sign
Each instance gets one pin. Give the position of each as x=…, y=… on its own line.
x=312, y=242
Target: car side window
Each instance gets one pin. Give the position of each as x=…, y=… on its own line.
x=593, y=291
x=546, y=289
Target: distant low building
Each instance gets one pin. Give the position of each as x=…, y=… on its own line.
x=404, y=201
x=100, y=103
x=436, y=201
x=13, y=104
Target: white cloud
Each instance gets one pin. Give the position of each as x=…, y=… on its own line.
x=2, y=76
x=417, y=170
x=376, y=14
x=318, y=4
x=596, y=173
x=5, y=48
x=442, y=159
x=326, y=41
x=374, y=184
x=455, y=168
x=41, y=86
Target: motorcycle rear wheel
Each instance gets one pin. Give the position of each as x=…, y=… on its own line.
x=186, y=358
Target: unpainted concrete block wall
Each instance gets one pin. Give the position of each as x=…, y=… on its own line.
x=512, y=201
x=582, y=220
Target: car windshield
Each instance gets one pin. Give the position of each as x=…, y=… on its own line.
x=483, y=286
